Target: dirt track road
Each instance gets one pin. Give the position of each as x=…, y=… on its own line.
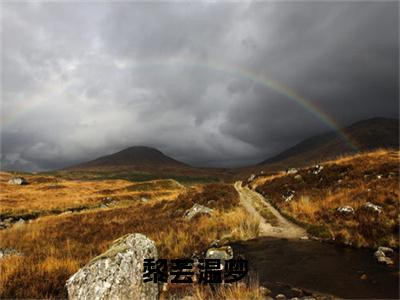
x=285, y=229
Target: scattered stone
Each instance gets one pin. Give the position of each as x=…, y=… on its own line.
x=289, y=196
x=211, y=202
x=364, y=277
x=345, y=210
x=372, y=207
x=6, y=223
x=67, y=212
x=251, y=178
x=382, y=258
x=18, y=181
x=291, y=171
x=196, y=210
x=117, y=273
x=298, y=177
x=223, y=253
x=4, y=252
x=261, y=172
x=107, y=200
x=379, y=176
x=317, y=169
x=264, y=291
x=304, y=238
x=280, y=297
x=20, y=222
x=385, y=250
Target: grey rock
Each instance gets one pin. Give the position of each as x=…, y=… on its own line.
x=289, y=196
x=4, y=252
x=223, y=253
x=385, y=260
x=385, y=250
x=298, y=177
x=291, y=171
x=251, y=178
x=280, y=297
x=373, y=207
x=117, y=273
x=317, y=169
x=20, y=222
x=196, y=210
x=18, y=181
x=345, y=210
x=264, y=291
x=382, y=258
x=211, y=202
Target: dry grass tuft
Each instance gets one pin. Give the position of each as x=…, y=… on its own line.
x=47, y=195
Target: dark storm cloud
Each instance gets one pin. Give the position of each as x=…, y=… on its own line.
x=81, y=80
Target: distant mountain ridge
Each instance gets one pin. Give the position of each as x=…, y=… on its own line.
x=366, y=135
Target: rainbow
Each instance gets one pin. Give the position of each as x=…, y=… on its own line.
x=268, y=82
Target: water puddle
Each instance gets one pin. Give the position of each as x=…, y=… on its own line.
x=321, y=267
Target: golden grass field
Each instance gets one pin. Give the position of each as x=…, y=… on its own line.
x=45, y=194
x=56, y=246
x=346, y=181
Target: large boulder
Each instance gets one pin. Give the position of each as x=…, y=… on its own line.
x=117, y=273
x=17, y=181
x=196, y=210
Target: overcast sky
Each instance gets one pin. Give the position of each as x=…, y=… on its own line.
x=85, y=79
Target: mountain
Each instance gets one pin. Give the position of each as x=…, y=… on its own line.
x=143, y=163
x=133, y=158
x=365, y=135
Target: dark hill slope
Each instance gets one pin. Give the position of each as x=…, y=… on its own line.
x=366, y=135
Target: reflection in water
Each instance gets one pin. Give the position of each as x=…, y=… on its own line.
x=320, y=267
